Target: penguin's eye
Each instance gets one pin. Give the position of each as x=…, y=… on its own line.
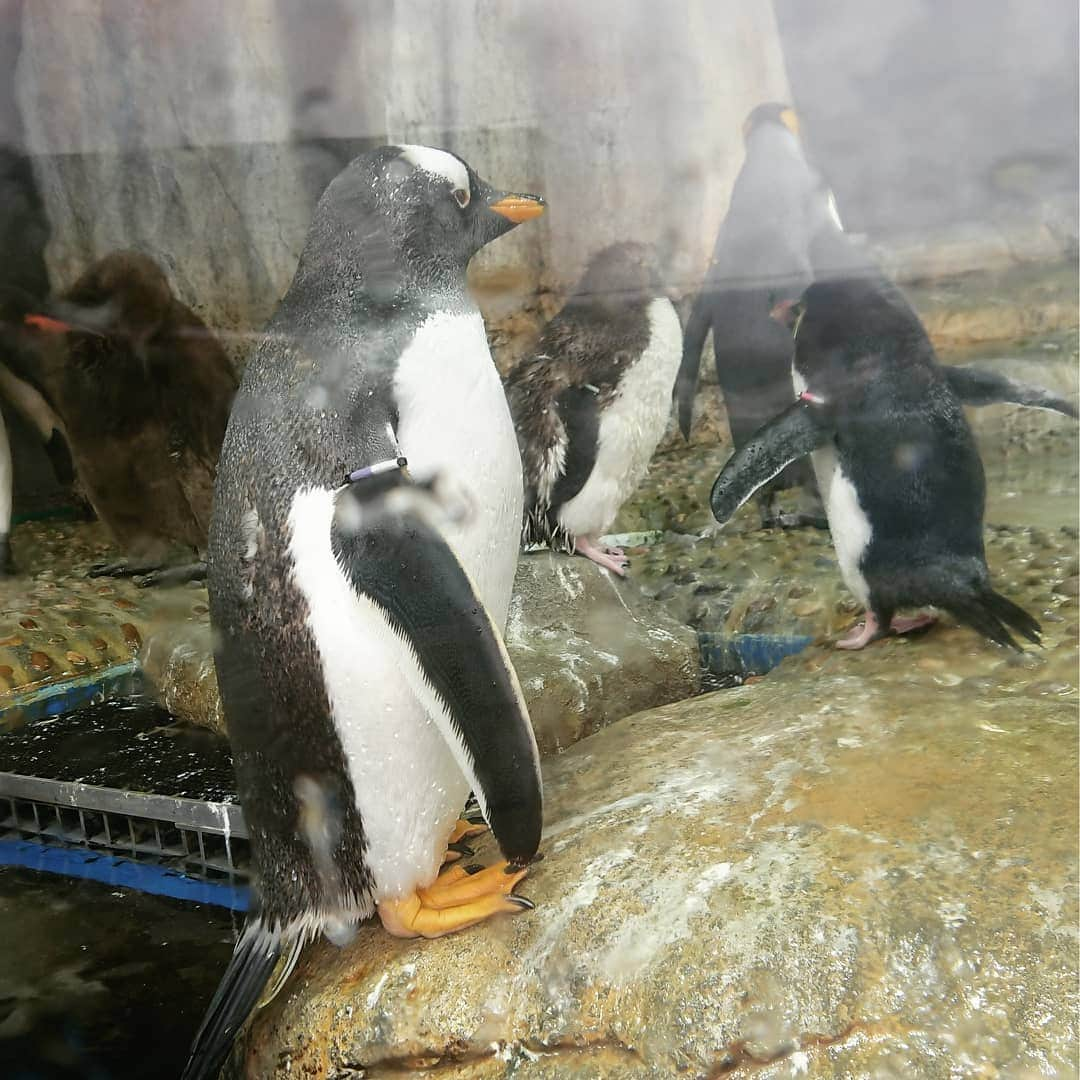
x=461, y=197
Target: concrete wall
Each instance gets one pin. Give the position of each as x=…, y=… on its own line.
x=201, y=131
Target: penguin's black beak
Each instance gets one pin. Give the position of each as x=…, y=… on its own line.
x=516, y=208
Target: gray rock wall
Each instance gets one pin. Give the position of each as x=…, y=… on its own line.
x=202, y=132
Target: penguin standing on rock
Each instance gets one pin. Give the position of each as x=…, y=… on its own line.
x=762, y=253
x=593, y=401
x=358, y=640
x=895, y=459
x=144, y=391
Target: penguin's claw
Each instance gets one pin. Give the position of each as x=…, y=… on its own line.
x=465, y=829
x=455, y=900
x=455, y=851
x=604, y=557
x=121, y=569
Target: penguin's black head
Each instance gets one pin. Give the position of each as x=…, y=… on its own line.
x=771, y=113
x=620, y=274
x=125, y=295
x=845, y=329
x=413, y=216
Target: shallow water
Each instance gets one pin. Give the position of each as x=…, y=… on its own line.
x=100, y=983
x=134, y=745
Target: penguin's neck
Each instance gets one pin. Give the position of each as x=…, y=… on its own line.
x=333, y=294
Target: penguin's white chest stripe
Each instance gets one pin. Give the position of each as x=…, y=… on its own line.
x=454, y=423
x=408, y=781
x=850, y=527
x=848, y=523
x=630, y=427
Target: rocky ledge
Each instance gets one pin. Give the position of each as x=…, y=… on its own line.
x=833, y=872
x=588, y=649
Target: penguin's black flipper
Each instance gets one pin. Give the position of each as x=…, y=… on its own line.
x=798, y=430
x=250, y=967
x=580, y=416
x=686, y=383
x=398, y=560
x=978, y=386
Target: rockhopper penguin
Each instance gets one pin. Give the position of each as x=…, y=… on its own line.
x=593, y=401
x=358, y=642
x=762, y=254
x=144, y=391
x=895, y=459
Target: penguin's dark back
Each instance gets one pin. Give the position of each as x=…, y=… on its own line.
x=901, y=435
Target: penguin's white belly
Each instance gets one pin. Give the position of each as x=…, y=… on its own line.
x=409, y=789
x=848, y=523
x=630, y=427
x=453, y=423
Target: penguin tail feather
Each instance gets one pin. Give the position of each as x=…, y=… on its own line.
x=993, y=615
x=250, y=967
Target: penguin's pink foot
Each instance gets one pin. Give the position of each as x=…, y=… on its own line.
x=458, y=898
x=862, y=634
x=906, y=626
x=609, y=558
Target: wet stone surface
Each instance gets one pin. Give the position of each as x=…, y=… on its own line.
x=58, y=627
x=850, y=868
x=590, y=649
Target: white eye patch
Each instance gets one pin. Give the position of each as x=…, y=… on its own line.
x=438, y=163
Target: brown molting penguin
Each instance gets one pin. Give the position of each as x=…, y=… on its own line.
x=592, y=402
x=144, y=392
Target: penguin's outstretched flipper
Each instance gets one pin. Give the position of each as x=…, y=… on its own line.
x=686, y=383
x=397, y=559
x=978, y=386
x=250, y=967
x=797, y=431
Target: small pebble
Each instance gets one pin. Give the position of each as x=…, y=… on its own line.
x=40, y=661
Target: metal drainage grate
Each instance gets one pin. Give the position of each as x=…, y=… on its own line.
x=201, y=840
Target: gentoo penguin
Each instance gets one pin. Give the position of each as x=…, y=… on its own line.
x=357, y=638
x=144, y=391
x=895, y=459
x=593, y=401
x=762, y=253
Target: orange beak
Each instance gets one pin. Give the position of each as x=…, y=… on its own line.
x=47, y=324
x=519, y=208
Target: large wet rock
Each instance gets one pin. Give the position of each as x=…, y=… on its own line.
x=590, y=649
x=869, y=870
x=177, y=662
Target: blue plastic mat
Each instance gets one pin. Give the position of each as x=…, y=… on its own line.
x=55, y=699
x=121, y=873
x=747, y=654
